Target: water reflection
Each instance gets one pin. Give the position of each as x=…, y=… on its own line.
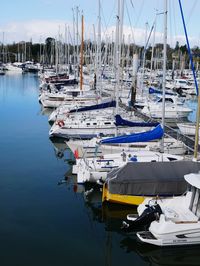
x=62, y=151
x=45, y=111
x=111, y=215
x=168, y=256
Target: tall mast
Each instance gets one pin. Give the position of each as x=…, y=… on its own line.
x=164, y=72
x=65, y=47
x=74, y=45
x=152, y=51
x=117, y=59
x=99, y=49
x=119, y=36
x=144, y=57
x=94, y=58
x=77, y=52
x=68, y=51
x=196, y=86
x=81, y=61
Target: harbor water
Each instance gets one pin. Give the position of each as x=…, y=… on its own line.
x=46, y=218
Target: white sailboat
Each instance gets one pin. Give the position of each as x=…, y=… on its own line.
x=95, y=169
x=178, y=223
x=92, y=148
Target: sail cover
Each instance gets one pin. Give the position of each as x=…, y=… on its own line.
x=151, y=178
x=119, y=121
x=153, y=134
x=152, y=90
x=95, y=107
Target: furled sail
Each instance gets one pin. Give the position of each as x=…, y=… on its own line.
x=152, y=90
x=119, y=121
x=153, y=134
x=95, y=107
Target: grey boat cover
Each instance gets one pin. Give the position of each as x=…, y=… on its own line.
x=151, y=178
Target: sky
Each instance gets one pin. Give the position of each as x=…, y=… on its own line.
x=36, y=20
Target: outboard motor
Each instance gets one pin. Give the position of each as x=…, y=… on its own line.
x=150, y=214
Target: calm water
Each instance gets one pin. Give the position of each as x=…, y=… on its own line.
x=46, y=224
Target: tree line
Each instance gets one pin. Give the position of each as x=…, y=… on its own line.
x=47, y=52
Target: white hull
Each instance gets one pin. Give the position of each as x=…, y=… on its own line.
x=170, y=114
x=78, y=132
x=94, y=169
x=48, y=103
x=192, y=239
x=178, y=224
x=90, y=149
x=187, y=128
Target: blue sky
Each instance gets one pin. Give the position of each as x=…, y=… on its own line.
x=38, y=19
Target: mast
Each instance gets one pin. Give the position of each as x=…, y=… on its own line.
x=68, y=51
x=94, y=57
x=99, y=49
x=152, y=51
x=134, y=79
x=74, y=45
x=144, y=57
x=65, y=48
x=81, y=61
x=196, y=86
x=117, y=59
x=77, y=52
x=164, y=72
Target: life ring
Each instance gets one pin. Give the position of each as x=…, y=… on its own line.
x=61, y=123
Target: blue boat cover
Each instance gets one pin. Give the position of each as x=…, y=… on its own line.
x=95, y=107
x=152, y=90
x=119, y=121
x=153, y=134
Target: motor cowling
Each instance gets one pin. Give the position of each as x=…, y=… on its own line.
x=150, y=214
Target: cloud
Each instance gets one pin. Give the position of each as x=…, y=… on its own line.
x=39, y=30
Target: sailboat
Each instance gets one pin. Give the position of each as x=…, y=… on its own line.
x=178, y=223
x=83, y=127
x=117, y=184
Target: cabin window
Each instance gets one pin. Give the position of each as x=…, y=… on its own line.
x=107, y=123
x=88, y=124
x=74, y=93
x=169, y=100
x=171, y=159
x=94, y=124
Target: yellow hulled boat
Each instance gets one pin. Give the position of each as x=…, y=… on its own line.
x=135, y=181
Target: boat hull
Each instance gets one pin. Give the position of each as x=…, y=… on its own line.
x=121, y=199
x=147, y=237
